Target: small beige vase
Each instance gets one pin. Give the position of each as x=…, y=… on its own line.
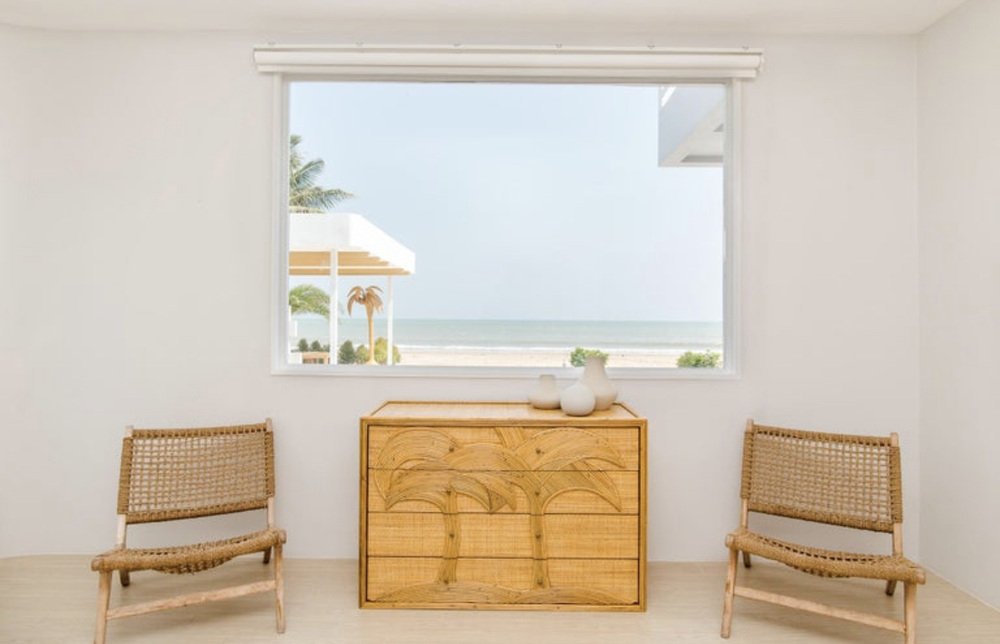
x=545, y=394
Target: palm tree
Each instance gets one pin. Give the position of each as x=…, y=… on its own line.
x=430, y=466
x=306, y=298
x=370, y=299
x=303, y=193
x=555, y=461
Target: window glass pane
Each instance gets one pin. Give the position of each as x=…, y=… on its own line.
x=519, y=222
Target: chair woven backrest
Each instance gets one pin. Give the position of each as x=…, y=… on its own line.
x=171, y=474
x=839, y=479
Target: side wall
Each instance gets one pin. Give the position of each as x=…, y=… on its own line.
x=136, y=216
x=959, y=135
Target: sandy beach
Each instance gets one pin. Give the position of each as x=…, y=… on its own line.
x=544, y=344
x=475, y=357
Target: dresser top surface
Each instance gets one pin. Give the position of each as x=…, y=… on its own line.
x=513, y=411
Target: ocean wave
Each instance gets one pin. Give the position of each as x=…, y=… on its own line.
x=509, y=336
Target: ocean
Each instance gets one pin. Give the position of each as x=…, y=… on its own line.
x=503, y=335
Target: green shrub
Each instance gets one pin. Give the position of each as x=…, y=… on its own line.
x=691, y=359
x=304, y=346
x=346, y=354
x=361, y=353
x=580, y=355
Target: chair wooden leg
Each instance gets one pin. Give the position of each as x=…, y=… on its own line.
x=890, y=587
x=279, y=590
x=746, y=559
x=727, y=607
x=103, y=598
x=267, y=556
x=124, y=577
x=910, y=611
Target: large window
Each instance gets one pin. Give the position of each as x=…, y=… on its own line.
x=506, y=224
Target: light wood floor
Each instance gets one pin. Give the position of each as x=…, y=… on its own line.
x=53, y=599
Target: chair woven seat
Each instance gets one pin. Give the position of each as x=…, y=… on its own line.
x=827, y=563
x=189, y=558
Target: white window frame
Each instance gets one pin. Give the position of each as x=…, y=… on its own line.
x=653, y=66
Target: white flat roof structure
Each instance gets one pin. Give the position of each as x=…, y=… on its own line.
x=362, y=247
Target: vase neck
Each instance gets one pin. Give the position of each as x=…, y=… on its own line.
x=593, y=367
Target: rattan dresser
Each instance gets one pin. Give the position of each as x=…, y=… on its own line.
x=498, y=505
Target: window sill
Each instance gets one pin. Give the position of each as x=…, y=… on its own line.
x=495, y=373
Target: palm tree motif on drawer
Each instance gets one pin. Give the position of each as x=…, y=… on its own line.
x=428, y=465
x=431, y=466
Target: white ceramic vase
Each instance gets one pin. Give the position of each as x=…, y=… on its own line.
x=595, y=377
x=577, y=399
x=545, y=395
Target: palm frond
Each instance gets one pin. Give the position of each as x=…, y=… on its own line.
x=557, y=449
x=307, y=298
x=304, y=176
x=365, y=296
x=316, y=199
x=373, y=303
x=303, y=193
x=355, y=296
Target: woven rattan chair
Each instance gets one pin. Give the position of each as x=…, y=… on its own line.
x=843, y=480
x=169, y=474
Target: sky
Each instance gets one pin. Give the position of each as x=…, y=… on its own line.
x=521, y=201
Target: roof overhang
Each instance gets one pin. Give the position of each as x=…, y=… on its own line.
x=362, y=248
x=692, y=126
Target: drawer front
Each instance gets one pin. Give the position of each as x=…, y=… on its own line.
x=503, y=448
x=621, y=496
x=392, y=534
x=597, y=581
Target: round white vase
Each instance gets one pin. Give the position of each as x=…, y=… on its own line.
x=577, y=399
x=595, y=377
x=545, y=395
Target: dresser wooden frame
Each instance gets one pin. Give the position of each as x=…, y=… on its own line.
x=496, y=505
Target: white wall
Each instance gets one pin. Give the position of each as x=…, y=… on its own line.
x=959, y=134
x=137, y=257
